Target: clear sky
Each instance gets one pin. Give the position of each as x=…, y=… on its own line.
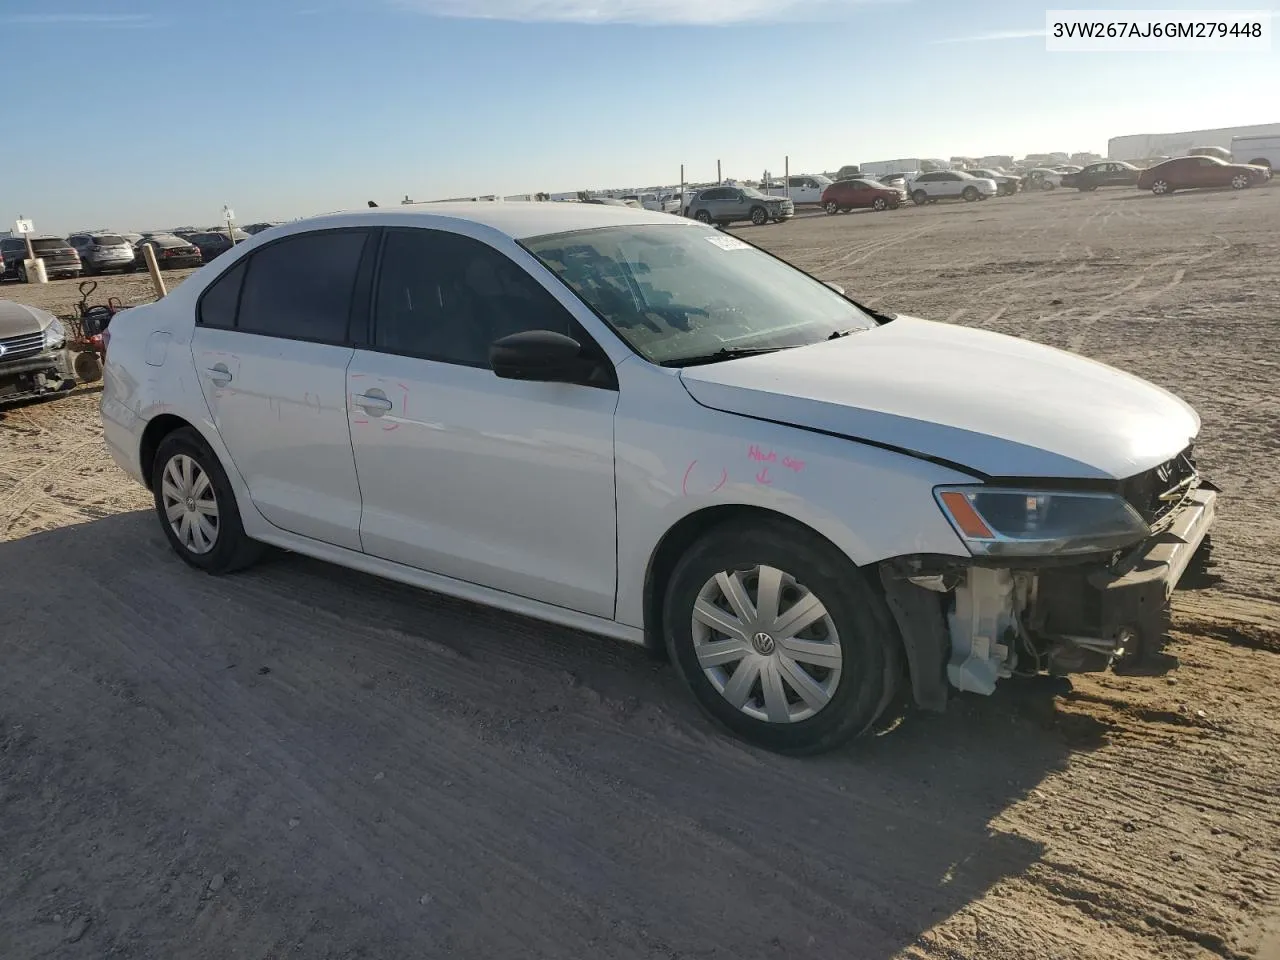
x=143, y=113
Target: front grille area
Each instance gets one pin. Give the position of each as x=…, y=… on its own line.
x=22, y=347
x=1158, y=491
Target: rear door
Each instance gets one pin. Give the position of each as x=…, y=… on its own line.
x=271, y=348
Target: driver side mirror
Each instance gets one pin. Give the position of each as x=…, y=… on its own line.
x=542, y=355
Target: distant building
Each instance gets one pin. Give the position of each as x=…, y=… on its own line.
x=1143, y=146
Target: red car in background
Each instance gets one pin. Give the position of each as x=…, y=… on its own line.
x=844, y=195
x=1189, y=173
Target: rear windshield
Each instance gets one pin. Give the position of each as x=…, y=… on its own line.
x=48, y=246
x=108, y=240
x=167, y=242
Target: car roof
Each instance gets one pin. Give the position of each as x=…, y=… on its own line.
x=518, y=219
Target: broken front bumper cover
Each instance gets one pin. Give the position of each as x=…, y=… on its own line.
x=1056, y=617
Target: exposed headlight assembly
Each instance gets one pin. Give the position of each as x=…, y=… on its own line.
x=998, y=522
x=55, y=335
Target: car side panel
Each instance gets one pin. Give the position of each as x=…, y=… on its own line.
x=675, y=457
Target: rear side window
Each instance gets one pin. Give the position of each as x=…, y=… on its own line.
x=301, y=287
x=218, y=304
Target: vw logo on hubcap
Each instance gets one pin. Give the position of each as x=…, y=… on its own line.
x=763, y=643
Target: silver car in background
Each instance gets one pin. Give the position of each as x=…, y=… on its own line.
x=100, y=252
x=731, y=204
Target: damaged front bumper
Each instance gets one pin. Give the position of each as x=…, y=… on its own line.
x=48, y=372
x=967, y=624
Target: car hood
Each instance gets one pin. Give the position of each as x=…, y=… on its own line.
x=997, y=405
x=17, y=319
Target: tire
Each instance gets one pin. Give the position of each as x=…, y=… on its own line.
x=880, y=204
x=1240, y=181
x=1161, y=188
x=970, y=194
x=229, y=549
x=831, y=207
x=854, y=647
x=919, y=197
x=1046, y=184
x=702, y=216
x=894, y=204
x=759, y=216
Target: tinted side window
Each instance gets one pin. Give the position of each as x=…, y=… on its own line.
x=218, y=303
x=447, y=297
x=301, y=287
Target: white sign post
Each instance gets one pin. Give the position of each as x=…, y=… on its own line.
x=25, y=228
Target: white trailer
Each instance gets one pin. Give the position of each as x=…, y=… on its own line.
x=1142, y=146
x=1260, y=151
x=878, y=168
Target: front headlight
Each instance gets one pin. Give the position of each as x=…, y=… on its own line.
x=55, y=335
x=996, y=522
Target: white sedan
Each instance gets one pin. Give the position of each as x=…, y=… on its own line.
x=642, y=427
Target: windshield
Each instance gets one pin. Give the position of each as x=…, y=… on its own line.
x=752, y=192
x=675, y=293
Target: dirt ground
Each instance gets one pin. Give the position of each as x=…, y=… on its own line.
x=303, y=761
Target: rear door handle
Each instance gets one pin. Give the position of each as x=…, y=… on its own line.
x=219, y=374
x=373, y=404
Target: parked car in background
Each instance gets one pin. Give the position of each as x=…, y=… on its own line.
x=950, y=185
x=171, y=251
x=1108, y=173
x=1222, y=153
x=1006, y=183
x=211, y=243
x=130, y=238
x=896, y=180
x=102, y=252
x=1041, y=178
x=806, y=189
x=850, y=171
x=653, y=201
x=1193, y=173
x=731, y=204
x=640, y=427
x=845, y=195
x=255, y=228
x=34, y=358
x=59, y=256
x=1256, y=151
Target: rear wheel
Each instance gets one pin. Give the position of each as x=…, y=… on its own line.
x=881, y=203
x=780, y=638
x=831, y=207
x=919, y=196
x=197, y=507
x=1161, y=188
x=702, y=216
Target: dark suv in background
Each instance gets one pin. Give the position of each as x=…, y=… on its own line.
x=60, y=258
x=731, y=204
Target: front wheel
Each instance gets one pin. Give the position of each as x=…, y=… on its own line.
x=919, y=197
x=970, y=194
x=1239, y=181
x=881, y=203
x=780, y=638
x=197, y=507
x=759, y=216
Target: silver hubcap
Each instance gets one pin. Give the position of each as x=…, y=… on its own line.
x=1238, y=182
x=1160, y=186
x=189, y=504
x=767, y=644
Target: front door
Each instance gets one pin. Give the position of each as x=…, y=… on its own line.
x=271, y=349
x=504, y=483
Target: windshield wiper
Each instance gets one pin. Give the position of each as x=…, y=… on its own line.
x=724, y=353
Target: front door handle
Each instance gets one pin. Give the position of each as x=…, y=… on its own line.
x=219, y=374
x=373, y=404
